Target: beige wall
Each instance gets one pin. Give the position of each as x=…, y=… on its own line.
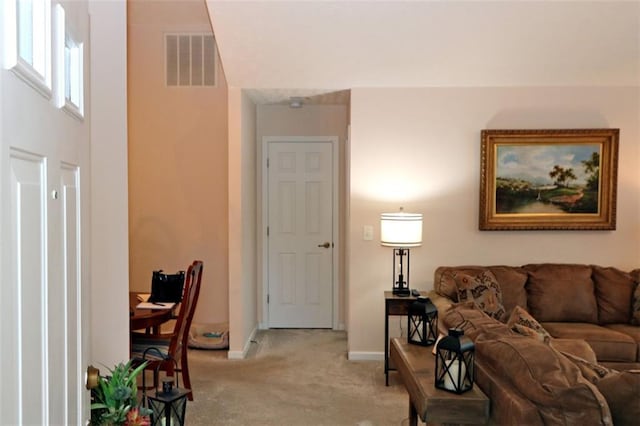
x=242, y=222
x=420, y=148
x=311, y=120
x=178, y=203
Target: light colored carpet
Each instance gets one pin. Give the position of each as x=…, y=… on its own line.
x=294, y=377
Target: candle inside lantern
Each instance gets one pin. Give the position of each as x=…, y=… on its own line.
x=456, y=372
x=417, y=336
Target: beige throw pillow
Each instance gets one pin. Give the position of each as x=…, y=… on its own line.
x=523, y=323
x=483, y=289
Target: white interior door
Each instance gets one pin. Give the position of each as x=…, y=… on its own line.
x=300, y=234
x=44, y=162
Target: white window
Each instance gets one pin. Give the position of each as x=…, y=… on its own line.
x=190, y=60
x=27, y=31
x=68, y=64
x=73, y=81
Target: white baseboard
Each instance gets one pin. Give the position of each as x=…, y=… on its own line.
x=243, y=353
x=235, y=355
x=365, y=356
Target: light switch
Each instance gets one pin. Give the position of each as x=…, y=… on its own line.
x=367, y=232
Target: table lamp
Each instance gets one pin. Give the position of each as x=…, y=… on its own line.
x=401, y=231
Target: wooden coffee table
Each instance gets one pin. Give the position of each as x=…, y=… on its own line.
x=416, y=365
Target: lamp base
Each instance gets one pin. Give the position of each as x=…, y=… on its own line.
x=402, y=292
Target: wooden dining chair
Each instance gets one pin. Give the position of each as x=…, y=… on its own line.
x=173, y=345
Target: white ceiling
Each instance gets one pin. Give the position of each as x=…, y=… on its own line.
x=326, y=46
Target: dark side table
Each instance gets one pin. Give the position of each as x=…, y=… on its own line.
x=394, y=306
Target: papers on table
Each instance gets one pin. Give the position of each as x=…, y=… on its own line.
x=143, y=297
x=149, y=305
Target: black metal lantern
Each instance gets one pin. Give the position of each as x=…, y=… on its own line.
x=422, y=320
x=455, y=362
x=169, y=406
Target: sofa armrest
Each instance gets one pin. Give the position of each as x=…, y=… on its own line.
x=442, y=303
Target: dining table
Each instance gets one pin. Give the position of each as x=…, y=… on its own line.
x=147, y=319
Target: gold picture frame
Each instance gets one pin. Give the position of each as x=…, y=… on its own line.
x=562, y=179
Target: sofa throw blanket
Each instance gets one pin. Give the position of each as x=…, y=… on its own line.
x=545, y=377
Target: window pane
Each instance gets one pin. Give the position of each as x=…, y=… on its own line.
x=74, y=76
x=40, y=33
x=67, y=72
x=25, y=30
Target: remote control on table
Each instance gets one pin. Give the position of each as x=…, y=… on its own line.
x=415, y=293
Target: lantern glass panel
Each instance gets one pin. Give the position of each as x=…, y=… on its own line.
x=422, y=322
x=168, y=410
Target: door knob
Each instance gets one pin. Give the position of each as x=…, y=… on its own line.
x=325, y=245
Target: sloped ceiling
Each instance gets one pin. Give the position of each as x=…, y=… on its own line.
x=335, y=45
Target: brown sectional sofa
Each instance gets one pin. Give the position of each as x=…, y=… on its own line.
x=587, y=309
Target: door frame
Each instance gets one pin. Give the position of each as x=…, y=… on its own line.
x=335, y=232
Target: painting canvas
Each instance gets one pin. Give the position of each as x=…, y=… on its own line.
x=548, y=179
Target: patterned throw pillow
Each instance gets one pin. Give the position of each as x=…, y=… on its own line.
x=483, y=289
x=523, y=323
x=635, y=306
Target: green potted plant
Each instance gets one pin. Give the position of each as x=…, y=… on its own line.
x=115, y=399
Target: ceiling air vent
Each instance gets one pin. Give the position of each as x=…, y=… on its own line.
x=190, y=60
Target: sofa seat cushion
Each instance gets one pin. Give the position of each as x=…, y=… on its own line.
x=608, y=344
x=561, y=292
x=613, y=294
x=576, y=347
x=545, y=377
x=631, y=330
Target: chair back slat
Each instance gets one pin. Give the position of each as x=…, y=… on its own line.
x=193, y=280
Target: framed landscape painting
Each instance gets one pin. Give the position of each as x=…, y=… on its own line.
x=548, y=179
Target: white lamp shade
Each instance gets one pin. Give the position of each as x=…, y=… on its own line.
x=401, y=229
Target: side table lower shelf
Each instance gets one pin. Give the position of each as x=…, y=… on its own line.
x=416, y=365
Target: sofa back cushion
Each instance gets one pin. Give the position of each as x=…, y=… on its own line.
x=561, y=292
x=511, y=279
x=614, y=289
